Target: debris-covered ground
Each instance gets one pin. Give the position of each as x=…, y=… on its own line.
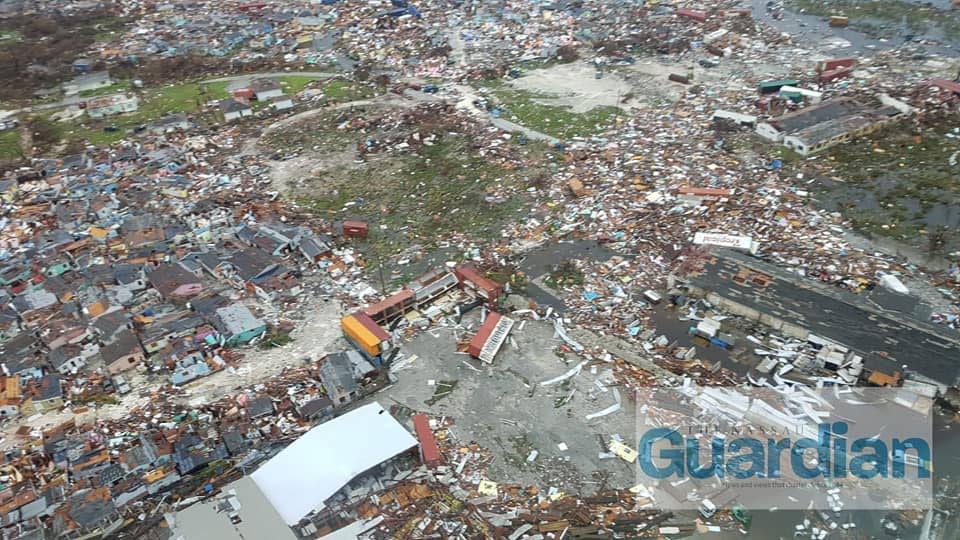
x=227, y=225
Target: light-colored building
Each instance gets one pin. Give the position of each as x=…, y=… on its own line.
x=237, y=324
x=233, y=109
x=832, y=122
x=282, y=102
x=110, y=105
x=265, y=89
x=297, y=481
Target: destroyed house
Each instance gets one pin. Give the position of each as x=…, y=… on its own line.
x=190, y=367
x=264, y=89
x=254, y=265
x=162, y=332
x=260, y=407
x=88, y=515
x=314, y=408
x=826, y=124
x=191, y=453
x=66, y=360
x=172, y=280
x=315, y=248
x=233, y=109
x=123, y=353
x=237, y=324
x=340, y=374
x=47, y=396
x=325, y=459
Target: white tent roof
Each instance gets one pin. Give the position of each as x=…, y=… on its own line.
x=306, y=473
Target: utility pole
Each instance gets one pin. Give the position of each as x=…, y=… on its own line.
x=383, y=281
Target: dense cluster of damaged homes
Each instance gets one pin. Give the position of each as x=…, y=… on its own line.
x=86, y=479
x=112, y=268
x=111, y=265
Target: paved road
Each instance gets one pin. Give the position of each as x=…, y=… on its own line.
x=245, y=76
x=513, y=127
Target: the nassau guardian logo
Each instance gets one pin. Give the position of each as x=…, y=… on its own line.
x=790, y=448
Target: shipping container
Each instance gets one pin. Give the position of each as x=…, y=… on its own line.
x=355, y=228
x=679, y=78
x=388, y=309
x=470, y=279
x=480, y=339
x=839, y=21
x=769, y=87
x=365, y=334
x=576, y=187
x=827, y=65
x=834, y=74
x=429, y=452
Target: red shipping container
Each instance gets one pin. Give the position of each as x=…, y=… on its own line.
x=371, y=326
x=429, y=452
x=829, y=65
x=355, y=228
x=470, y=278
x=834, y=74
x=483, y=334
x=392, y=306
x=692, y=14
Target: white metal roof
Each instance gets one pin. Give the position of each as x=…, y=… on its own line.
x=306, y=473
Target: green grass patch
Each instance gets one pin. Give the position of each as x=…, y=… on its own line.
x=533, y=111
x=342, y=91
x=9, y=36
x=115, y=88
x=422, y=198
x=442, y=390
x=155, y=103
x=295, y=83
x=10, y=144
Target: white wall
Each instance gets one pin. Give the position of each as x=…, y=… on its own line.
x=769, y=132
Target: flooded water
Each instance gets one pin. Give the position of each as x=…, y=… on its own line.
x=538, y=262
x=812, y=30
x=667, y=322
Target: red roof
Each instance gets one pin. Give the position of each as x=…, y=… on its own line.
x=483, y=334
x=429, y=451
x=373, y=327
